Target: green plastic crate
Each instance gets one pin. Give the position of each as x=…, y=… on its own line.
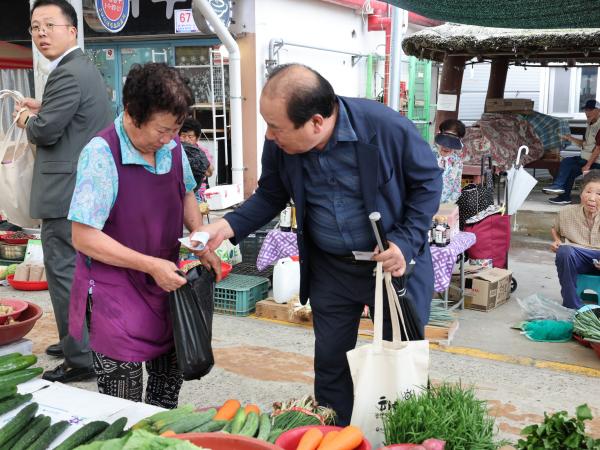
x=237, y=294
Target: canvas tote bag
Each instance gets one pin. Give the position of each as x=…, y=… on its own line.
x=16, y=172
x=384, y=371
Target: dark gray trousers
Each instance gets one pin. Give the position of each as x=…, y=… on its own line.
x=59, y=261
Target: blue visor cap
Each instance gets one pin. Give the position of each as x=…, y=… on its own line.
x=449, y=141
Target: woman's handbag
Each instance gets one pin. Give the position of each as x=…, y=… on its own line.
x=383, y=371
x=475, y=198
x=17, y=158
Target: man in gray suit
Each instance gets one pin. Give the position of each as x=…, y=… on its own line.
x=74, y=108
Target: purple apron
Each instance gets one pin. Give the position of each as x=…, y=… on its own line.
x=130, y=318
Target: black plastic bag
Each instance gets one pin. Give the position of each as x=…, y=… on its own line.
x=192, y=312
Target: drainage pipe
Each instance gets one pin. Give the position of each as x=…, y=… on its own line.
x=235, y=88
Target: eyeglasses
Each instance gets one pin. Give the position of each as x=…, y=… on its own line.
x=48, y=28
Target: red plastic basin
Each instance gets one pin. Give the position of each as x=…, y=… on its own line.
x=27, y=285
x=290, y=439
x=18, y=307
x=17, y=330
x=222, y=441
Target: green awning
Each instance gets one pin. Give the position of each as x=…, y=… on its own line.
x=509, y=13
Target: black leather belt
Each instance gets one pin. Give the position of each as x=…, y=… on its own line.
x=350, y=259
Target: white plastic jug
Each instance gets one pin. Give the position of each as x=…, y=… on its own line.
x=286, y=280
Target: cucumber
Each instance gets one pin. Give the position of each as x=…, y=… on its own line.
x=8, y=391
x=49, y=436
x=17, y=423
x=20, y=376
x=20, y=363
x=251, y=426
x=227, y=427
x=13, y=440
x=14, y=402
x=34, y=431
x=168, y=417
x=8, y=357
x=84, y=435
x=238, y=421
x=264, y=428
x=113, y=431
x=212, y=426
x=190, y=422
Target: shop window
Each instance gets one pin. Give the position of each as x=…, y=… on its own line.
x=571, y=88
x=194, y=64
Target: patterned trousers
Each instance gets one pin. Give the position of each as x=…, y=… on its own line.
x=125, y=380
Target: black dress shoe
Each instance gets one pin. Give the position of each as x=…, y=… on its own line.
x=65, y=374
x=55, y=350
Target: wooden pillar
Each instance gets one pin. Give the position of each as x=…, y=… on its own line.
x=497, y=82
x=449, y=91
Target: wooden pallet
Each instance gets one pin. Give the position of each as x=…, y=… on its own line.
x=268, y=309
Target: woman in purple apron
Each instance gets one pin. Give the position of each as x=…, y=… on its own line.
x=133, y=195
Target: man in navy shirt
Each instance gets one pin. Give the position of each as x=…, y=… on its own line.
x=340, y=159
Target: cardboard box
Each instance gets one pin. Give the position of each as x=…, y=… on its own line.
x=484, y=290
x=224, y=196
x=508, y=105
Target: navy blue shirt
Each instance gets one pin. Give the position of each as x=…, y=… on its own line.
x=336, y=217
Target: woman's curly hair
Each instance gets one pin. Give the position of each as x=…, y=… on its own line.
x=155, y=87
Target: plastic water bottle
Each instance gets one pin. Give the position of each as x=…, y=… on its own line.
x=286, y=279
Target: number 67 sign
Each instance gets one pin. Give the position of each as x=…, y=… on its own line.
x=184, y=21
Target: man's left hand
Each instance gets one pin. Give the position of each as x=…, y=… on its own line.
x=392, y=259
x=22, y=117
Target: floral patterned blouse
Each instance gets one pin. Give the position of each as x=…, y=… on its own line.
x=453, y=167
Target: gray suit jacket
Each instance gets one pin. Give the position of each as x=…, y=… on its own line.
x=75, y=107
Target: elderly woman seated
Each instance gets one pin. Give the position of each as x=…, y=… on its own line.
x=447, y=150
x=576, y=235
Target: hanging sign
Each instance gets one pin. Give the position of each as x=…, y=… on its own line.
x=106, y=15
x=184, y=21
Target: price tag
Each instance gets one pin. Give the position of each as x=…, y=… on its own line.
x=184, y=21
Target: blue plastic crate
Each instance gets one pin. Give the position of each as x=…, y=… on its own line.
x=237, y=294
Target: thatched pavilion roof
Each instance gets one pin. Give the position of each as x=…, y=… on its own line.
x=521, y=46
x=508, y=13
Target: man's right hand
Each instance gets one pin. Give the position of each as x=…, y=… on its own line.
x=164, y=274
x=30, y=103
x=218, y=232
x=554, y=246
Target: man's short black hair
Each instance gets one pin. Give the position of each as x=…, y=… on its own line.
x=453, y=125
x=307, y=99
x=66, y=8
x=593, y=176
x=193, y=125
x=155, y=87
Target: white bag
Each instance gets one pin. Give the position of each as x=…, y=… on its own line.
x=16, y=172
x=384, y=371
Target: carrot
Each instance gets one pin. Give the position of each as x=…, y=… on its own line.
x=228, y=410
x=168, y=433
x=327, y=439
x=252, y=408
x=349, y=438
x=310, y=440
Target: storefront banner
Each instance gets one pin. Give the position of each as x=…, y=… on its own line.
x=106, y=15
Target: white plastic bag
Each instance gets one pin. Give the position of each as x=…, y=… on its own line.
x=16, y=171
x=538, y=307
x=383, y=371
x=229, y=253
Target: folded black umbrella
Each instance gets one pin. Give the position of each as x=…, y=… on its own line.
x=414, y=328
